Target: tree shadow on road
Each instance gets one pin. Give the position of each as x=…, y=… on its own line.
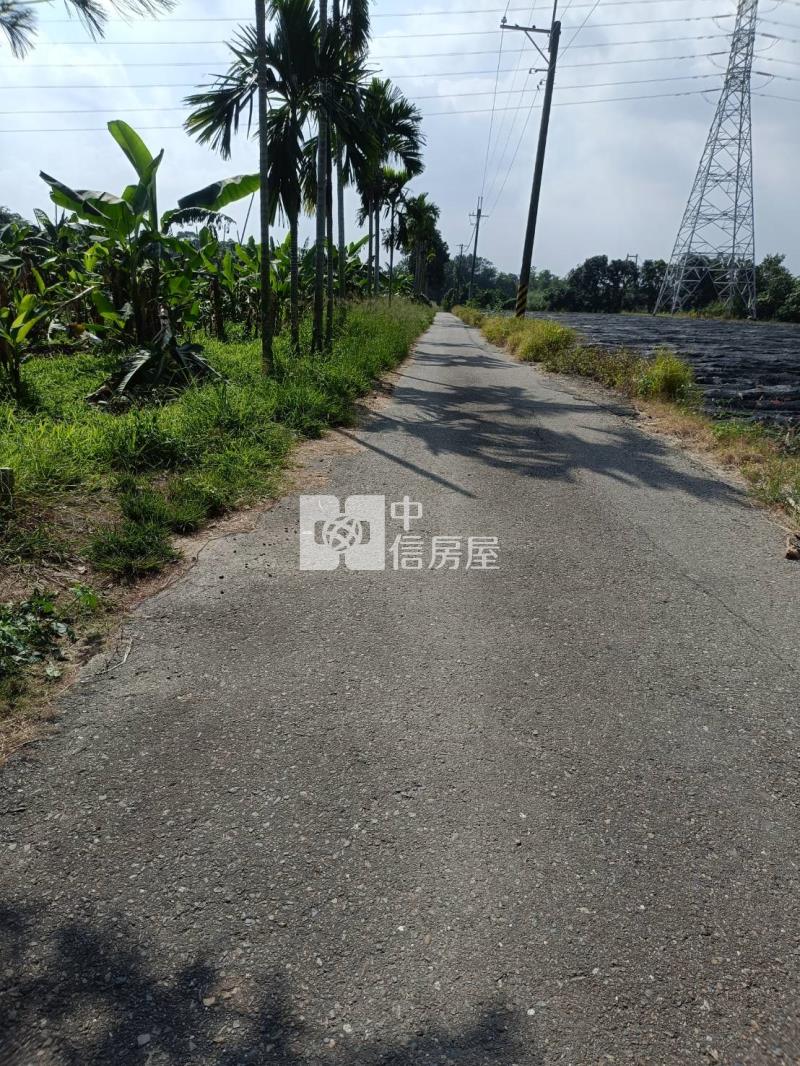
x=509, y=428
x=82, y=995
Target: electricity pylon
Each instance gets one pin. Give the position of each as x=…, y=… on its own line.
x=716, y=238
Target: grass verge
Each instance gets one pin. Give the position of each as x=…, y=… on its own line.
x=98, y=496
x=663, y=387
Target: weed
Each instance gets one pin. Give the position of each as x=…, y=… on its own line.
x=470, y=315
x=30, y=632
x=83, y=602
x=132, y=549
x=666, y=377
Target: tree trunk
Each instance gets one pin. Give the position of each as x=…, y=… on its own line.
x=216, y=303
x=294, y=283
x=263, y=165
x=391, y=252
x=369, y=249
x=329, y=248
x=377, y=250
x=322, y=170
x=342, y=259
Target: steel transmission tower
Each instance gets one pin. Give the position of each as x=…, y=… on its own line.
x=716, y=238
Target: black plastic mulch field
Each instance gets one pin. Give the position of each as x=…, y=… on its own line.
x=749, y=369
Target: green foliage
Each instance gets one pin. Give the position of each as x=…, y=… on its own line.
x=774, y=288
x=168, y=467
x=30, y=632
x=470, y=315
x=132, y=549
x=666, y=377
x=114, y=271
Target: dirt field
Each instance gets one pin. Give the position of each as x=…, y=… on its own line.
x=749, y=368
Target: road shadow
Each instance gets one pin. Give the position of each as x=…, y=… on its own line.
x=508, y=428
x=96, y=1001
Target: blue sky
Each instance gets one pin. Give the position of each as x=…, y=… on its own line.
x=618, y=170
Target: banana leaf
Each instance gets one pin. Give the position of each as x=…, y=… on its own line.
x=221, y=193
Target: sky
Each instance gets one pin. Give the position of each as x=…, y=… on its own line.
x=617, y=173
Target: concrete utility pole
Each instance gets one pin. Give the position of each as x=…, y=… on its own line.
x=477, y=217
x=554, y=35
x=458, y=272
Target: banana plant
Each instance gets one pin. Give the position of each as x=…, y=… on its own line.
x=150, y=279
x=21, y=313
x=134, y=237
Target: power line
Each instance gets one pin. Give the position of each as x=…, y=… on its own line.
x=786, y=40
x=406, y=36
x=432, y=96
x=411, y=77
x=570, y=103
x=776, y=22
x=513, y=115
x=428, y=114
x=516, y=150
x=775, y=59
x=245, y=17
x=571, y=41
x=641, y=59
x=660, y=40
x=494, y=101
x=419, y=55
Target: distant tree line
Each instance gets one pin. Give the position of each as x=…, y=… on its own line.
x=611, y=286
x=492, y=290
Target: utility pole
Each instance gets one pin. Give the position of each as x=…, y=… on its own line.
x=553, y=35
x=458, y=272
x=630, y=258
x=477, y=218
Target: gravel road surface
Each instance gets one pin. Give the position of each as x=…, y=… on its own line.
x=546, y=813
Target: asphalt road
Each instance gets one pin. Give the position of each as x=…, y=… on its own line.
x=546, y=813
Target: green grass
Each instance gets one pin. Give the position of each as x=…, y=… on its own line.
x=106, y=492
x=559, y=348
x=769, y=459
x=170, y=467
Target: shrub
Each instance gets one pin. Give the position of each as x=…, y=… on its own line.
x=541, y=339
x=666, y=377
x=557, y=347
x=470, y=315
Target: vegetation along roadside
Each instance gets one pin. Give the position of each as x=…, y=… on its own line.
x=663, y=387
x=156, y=365
x=99, y=496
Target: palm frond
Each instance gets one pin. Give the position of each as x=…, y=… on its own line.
x=19, y=25
x=18, y=20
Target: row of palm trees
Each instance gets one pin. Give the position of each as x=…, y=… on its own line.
x=319, y=114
